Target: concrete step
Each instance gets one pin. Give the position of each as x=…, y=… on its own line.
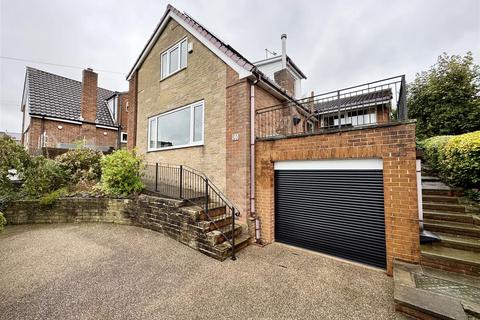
x=462, y=261
x=448, y=216
x=415, y=295
x=220, y=235
x=455, y=228
x=443, y=207
x=223, y=250
x=197, y=212
x=440, y=199
x=428, y=178
x=458, y=242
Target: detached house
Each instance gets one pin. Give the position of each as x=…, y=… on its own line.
x=59, y=113
x=333, y=172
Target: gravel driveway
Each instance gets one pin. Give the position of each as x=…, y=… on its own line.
x=105, y=271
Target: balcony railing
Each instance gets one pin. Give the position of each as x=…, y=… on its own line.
x=369, y=104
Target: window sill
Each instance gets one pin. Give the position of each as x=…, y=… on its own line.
x=172, y=74
x=198, y=144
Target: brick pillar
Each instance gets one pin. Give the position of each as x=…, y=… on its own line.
x=89, y=95
x=132, y=111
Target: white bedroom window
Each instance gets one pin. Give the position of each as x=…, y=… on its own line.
x=174, y=59
x=182, y=127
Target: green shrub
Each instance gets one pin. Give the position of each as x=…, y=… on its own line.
x=12, y=156
x=3, y=222
x=81, y=164
x=51, y=197
x=44, y=176
x=455, y=158
x=121, y=173
x=462, y=160
x=433, y=151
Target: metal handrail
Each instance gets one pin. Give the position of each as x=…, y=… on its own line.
x=186, y=183
x=355, y=106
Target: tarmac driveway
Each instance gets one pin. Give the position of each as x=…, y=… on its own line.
x=106, y=271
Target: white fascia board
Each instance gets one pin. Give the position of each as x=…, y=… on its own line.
x=242, y=72
x=57, y=119
x=331, y=164
x=106, y=127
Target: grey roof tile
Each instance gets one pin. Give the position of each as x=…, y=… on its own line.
x=355, y=101
x=55, y=96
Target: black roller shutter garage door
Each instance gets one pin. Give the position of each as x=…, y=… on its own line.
x=336, y=211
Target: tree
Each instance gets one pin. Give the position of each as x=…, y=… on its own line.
x=445, y=100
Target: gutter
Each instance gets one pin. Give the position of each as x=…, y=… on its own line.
x=253, y=214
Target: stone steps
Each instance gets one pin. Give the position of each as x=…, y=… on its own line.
x=443, y=207
x=458, y=242
x=426, y=293
x=455, y=228
x=224, y=250
x=220, y=235
x=440, y=199
x=448, y=216
x=462, y=261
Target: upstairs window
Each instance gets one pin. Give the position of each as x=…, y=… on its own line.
x=182, y=127
x=174, y=59
x=112, y=106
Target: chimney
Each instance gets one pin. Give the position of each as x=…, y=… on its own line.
x=89, y=95
x=284, y=51
x=283, y=77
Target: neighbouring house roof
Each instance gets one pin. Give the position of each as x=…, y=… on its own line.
x=51, y=95
x=357, y=101
x=14, y=135
x=220, y=48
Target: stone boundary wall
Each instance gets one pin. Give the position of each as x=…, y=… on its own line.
x=172, y=218
x=70, y=210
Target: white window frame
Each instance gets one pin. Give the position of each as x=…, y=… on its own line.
x=192, y=127
x=121, y=137
x=167, y=53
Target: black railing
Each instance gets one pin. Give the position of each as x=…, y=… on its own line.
x=369, y=104
x=183, y=182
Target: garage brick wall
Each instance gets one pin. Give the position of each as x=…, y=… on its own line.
x=395, y=144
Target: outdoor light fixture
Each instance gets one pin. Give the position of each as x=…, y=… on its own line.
x=296, y=120
x=104, y=133
x=60, y=127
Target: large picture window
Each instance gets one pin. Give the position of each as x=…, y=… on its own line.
x=174, y=59
x=178, y=128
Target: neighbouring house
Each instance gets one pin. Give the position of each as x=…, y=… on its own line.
x=15, y=136
x=59, y=113
x=334, y=172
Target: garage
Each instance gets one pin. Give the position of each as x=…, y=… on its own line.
x=332, y=206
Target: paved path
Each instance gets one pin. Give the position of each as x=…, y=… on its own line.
x=103, y=271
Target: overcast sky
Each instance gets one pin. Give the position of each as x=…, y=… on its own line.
x=335, y=43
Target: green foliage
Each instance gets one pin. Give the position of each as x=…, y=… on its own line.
x=43, y=176
x=3, y=222
x=433, y=149
x=121, y=173
x=462, y=160
x=444, y=99
x=51, y=197
x=12, y=156
x=455, y=158
x=81, y=165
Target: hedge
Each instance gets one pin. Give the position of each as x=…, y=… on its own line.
x=455, y=158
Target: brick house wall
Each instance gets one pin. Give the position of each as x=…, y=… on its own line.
x=204, y=78
x=132, y=111
x=69, y=133
x=395, y=144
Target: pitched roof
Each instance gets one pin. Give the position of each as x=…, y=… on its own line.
x=51, y=95
x=226, y=52
x=355, y=102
